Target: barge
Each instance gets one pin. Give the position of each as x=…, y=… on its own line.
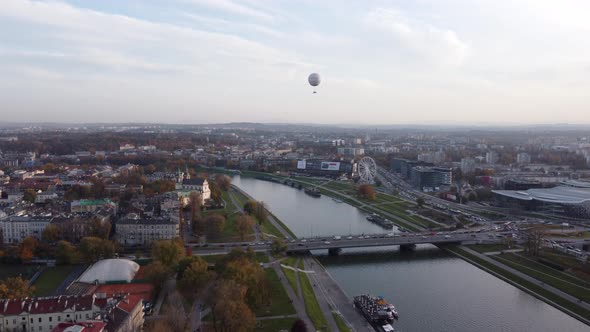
x=378, y=312
x=312, y=191
x=377, y=219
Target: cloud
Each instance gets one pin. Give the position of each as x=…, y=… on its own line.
x=217, y=24
x=420, y=38
x=234, y=8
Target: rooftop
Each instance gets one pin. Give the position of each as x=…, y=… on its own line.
x=107, y=270
x=559, y=194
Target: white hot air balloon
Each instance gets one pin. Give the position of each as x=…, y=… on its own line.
x=314, y=80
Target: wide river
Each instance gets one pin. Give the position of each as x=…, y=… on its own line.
x=432, y=290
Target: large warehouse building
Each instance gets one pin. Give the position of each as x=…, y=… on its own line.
x=327, y=168
x=561, y=200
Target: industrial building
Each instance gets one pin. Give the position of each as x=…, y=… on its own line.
x=561, y=200
x=320, y=167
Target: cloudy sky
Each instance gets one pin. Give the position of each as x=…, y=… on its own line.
x=381, y=62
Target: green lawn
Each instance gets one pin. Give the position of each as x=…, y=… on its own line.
x=290, y=275
x=530, y=287
x=341, y=323
x=482, y=248
x=51, y=278
x=279, y=303
x=229, y=234
x=16, y=270
x=311, y=304
x=275, y=325
x=561, y=281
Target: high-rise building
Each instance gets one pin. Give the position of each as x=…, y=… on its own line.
x=431, y=178
x=523, y=158
x=467, y=165
x=492, y=157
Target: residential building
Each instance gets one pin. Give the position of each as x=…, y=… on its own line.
x=523, y=158
x=351, y=151
x=89, y=326
x=45, y=313
x=91, y=205
x=467, y=165
x=17, y=228
x=492, y=157
x=133, y=230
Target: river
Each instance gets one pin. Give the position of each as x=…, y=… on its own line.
x=432, y=289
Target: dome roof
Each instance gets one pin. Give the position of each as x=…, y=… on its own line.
x=110, y=270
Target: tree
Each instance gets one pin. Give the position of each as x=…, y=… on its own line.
x=30, y=195
x=66, y=253
x=214, y=225
x=278, y=247
x=99, y=229
x=27, y=248
x=223, y=182
x=174, y=313
x=250, y=206
x=15, y=288
x=194, y=278
x=215, y=192
x=198, y=226
x=244, y=224
x=366, y=191
x=157, y=274
x=50, y=234
x=533, y=240
x=195, y=199
x=420, y=202
x=168, y=252
x=228, y=310
x=94, y=248
x=299, y=326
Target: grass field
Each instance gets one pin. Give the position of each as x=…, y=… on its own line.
x=275, y=325
x=557, y=279
x=311, y=304
x=51, y=278
x=16, y=270
x=279, y=302
x=341, y=323
x=482, y=248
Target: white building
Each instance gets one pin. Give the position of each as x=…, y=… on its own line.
x=199, y=185
x=351, y=151
x=43, y=314
x=467, y=165
x=17, y=228
x=492, y=157
x=523, y=158
x=133, y=230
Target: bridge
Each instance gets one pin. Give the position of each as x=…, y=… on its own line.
x=334, y=244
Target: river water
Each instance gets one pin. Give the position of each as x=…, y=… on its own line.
x=432, y=290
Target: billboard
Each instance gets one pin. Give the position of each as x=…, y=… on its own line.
x=330, y=166
x=301, y=164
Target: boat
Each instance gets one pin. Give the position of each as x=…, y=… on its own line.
x=375, y=218
x=312, y=191
x=378, y=312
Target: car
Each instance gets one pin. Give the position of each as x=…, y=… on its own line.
x=447, y=236
x=424, y=237
x=303, y=240
x=326, y=242
x=337, y=237
x=300, y=244
x=349, y=238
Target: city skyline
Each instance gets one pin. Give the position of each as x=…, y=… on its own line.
x=204, y=61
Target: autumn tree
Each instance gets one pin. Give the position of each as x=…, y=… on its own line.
x=50, y=234
x=250, y=206
x=27, y=248
x=214, y=225
x=100, y=229
x=244, y=224
x=15, y=288
x=278, y=247
x=157, y=274
x=66, y=253
x=195, y=205
x=248, y=273
x=194, y=278
x=229, y=312
x=366, y=191
x=223, y=182
x=168, y=252
x=30, y=195
x=175, y=315
x=94, y=248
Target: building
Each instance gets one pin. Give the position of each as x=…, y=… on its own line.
x=91, y=205
x=45, y=313
x=467, y=165
x=126, y=316
x=17, y=228
x=523, y=158
x=351, y=151
x=432, y=157
x=199, y=185
x=90, y=326
x=133, y=230
x=404, y=167
x=560, y=200
x=492, y=157
x=320, y=167
x=431, y=178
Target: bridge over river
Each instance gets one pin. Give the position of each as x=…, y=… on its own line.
x=354, y=241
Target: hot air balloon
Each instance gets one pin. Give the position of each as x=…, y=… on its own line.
x=314, y=80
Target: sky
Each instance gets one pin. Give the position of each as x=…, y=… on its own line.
x=215, y=61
